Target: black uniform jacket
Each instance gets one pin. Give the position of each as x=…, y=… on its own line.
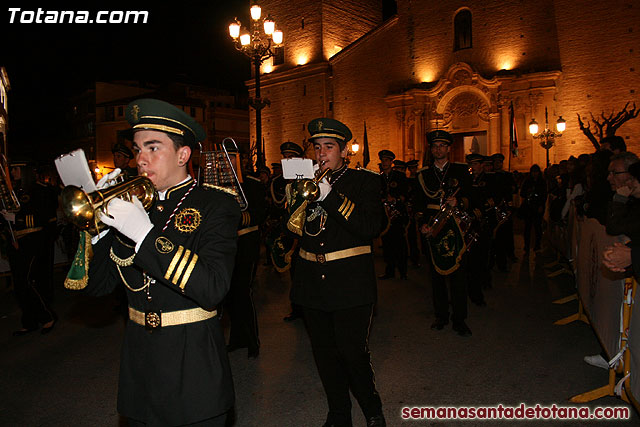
x=437, y=186
x=254, y=215
x=352, y=216
x=176, y=374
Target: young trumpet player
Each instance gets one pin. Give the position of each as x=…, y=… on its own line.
x=334, y=281
x=176, y=262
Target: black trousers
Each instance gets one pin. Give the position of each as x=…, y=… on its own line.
x=395, y=251
x=534, y=218
x=458, y=287
x=412, y=239
x=32, y=281
x=478, y=273
x=243, y=331
x=339, y=340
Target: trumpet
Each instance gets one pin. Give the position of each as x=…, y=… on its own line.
x=308, y=188
x=81, y=208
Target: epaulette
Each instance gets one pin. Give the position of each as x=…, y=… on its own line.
x=370, y=171
x=223, y=189
x=253, y=178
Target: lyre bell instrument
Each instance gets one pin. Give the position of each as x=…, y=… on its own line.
x=218, y=170
x=8, y=199
x=308, y=188
x=81, y=208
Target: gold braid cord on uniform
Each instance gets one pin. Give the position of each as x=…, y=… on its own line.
x=78, y=275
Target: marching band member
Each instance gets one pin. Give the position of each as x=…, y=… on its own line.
x=176, y=262
x=334, y=281
x=446, y=183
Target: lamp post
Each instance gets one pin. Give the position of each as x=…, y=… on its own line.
x=548, y=136
x=355, y=147
x=256, y=43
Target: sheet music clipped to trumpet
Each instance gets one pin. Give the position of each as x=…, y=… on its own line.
x=73, y=169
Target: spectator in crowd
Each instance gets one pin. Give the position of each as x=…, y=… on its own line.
x=534, y=196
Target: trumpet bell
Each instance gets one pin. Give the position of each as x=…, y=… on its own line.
x=308, y=189
x=77, y=207
x=81, y=208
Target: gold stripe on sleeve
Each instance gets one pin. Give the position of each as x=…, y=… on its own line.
x=187, y=273
x=173, y=263
x=348, y=213
x=183, y=262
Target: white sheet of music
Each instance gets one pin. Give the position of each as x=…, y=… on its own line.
x=73, y=169
x=297, y=168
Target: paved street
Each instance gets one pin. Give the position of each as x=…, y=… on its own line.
x=515, y=355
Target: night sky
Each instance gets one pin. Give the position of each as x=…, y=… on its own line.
x=48, y=64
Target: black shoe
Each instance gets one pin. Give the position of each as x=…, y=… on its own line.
x=22, y=332
x=377, y=421
x=253, y=353
x=462, y=329
x=385, y=277
x=479, y=303
x=294, y=315
x=439, y=324
x=404, y=277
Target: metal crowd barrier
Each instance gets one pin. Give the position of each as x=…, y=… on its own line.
x=605, y=301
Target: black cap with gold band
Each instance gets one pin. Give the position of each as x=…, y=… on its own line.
x=153, y=114
x=329, y=128
x=439, y=136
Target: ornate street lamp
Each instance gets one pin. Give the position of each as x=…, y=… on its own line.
x=257, y=43
x=548, y=136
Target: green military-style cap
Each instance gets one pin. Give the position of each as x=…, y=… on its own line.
x=329, y=128
x=122, y=149
x=412, y=163
x=474, y=157
x=399, y=163
x=487, y=159
x=386, y=154
x=291, y=148
x=439, y=136
x=497, y=156
x=153, y=114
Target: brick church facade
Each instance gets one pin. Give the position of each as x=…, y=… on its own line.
x=454, y=65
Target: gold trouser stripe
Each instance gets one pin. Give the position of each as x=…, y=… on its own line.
x=187, y=273
x=348, y=213
x=247, y=230
x=436, y=207
x=174, y=318
x=181, y=265
x=173, y=263
x=333, y=256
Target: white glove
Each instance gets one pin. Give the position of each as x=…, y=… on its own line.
x=129, y=219
x=108, y=179
x=325, y=189
x=8, y=216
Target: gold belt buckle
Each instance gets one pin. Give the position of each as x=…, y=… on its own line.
x=152, y=320
x=321, y=258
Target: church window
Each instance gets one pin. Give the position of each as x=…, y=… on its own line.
x=278, y=55
x=462, y=30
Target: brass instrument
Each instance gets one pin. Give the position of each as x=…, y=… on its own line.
x=81, y=208
x=308, y=188
x=219, y=172
x=8, y=197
